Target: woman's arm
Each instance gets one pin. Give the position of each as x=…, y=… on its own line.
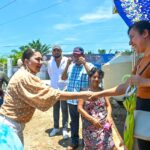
x=84, y=114
x=109, y=109
x=35, y=93
x=74, y=95
x=116, y=91
x=139, y=81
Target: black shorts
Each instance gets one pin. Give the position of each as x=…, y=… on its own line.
x=143, y=104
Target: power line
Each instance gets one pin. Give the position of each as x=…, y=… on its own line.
x=6, y=5
x=34, y=12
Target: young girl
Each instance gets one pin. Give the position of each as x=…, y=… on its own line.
x=97, y=133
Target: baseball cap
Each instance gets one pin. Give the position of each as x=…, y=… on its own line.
x=78, y=50
x=56, y=47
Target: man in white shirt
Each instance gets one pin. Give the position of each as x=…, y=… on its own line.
x=56, y=66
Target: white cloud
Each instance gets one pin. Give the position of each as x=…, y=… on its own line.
x=100, y=14
x=63, y=26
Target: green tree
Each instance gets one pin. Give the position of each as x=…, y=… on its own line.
x=128, y=52
x=42, y=48
x=101, y=51
x=89, y=52
x=17, y=54
x=3, y=60
x=3, y=63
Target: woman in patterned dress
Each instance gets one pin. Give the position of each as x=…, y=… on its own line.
x=96, y=117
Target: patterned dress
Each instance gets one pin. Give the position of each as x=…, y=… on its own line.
x=94, y=138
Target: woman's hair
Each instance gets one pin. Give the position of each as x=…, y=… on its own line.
x=94, y=70
x=1, y=92
x=140, y=26
x=27, y=54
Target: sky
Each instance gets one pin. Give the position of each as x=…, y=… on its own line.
x=70, y=23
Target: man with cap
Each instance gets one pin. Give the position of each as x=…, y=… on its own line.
x=56, y=66
x=76, y=71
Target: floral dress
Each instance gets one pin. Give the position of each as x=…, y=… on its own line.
x=94, y=138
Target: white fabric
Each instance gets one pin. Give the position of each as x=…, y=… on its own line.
x=65, y=134
x=142, y=125
x=16, y=126
x=55, y=73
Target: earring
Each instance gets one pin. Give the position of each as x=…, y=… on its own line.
x=27, y=68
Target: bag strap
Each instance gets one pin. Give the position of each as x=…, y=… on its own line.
x=144, y=69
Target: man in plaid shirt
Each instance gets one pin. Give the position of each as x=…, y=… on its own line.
x=76, y=71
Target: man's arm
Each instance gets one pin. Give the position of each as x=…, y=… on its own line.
x=85, y=64
x=115, y=91
x=64, y=75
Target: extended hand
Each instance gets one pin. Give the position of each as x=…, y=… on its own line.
x=94, y=96
x=135, y=80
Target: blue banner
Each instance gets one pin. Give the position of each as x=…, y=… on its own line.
x=133, y=10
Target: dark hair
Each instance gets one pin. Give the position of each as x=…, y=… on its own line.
x=27, y=54
x=1, y=92
x=140, y=26
x=94, y=70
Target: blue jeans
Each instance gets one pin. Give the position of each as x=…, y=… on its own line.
x=74, y=124
x=56, y=109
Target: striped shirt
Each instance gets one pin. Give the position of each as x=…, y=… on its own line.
x=77, y=79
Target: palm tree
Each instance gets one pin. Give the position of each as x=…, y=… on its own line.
x=42, y=48
x=3, y=63
x=17, y=54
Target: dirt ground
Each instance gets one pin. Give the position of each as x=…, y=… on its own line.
x=36, y=133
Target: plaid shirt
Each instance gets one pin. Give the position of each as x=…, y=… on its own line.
x=77, y=79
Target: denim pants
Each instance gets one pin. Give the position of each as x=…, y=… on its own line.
x=64, y=108
x=74, y=124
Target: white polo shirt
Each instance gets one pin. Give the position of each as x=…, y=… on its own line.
x=55, y=73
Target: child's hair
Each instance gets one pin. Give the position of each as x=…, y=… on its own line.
x=94, y=70
x=100, y=72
